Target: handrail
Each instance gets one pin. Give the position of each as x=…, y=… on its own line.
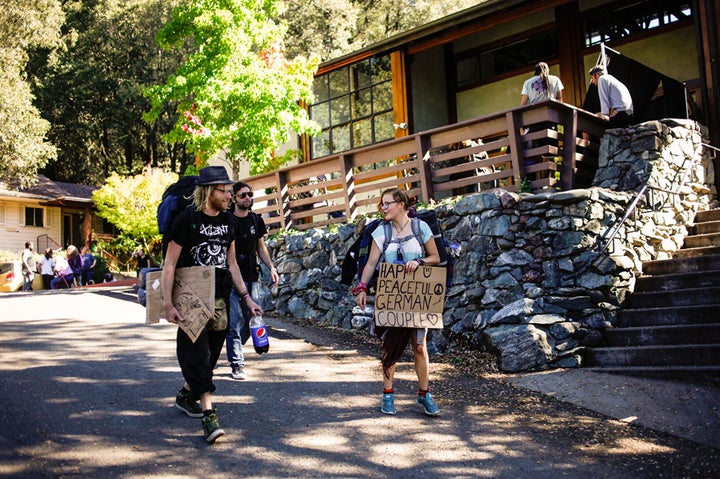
x=605, y=241
x=435, y=164
x=102, y=252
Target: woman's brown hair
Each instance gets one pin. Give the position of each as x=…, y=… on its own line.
x=399, y=195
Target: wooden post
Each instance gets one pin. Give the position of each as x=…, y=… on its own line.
x=346, y=169
x=516, y=148
x=426, y=184
x=570, y=128
x=283, y=199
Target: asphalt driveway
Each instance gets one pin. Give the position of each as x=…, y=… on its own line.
x=88, y=391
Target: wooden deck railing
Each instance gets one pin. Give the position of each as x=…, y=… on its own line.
x=482, y=153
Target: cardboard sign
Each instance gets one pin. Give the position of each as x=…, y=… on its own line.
x=413, y=300
x=193, y=297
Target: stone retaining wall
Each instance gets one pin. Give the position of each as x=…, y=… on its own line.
x=529, y=284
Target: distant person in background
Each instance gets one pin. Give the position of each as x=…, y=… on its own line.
x=65, y=276
x=88, y=263
x=542, y=86
x=616, y=105
x=46, y=267
x=76, y=263
x=143, y=261
x=28, y=266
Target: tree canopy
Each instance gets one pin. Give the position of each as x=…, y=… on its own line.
x=130, y=203
x=23, y=146
x=236, y=93
x=90, y=62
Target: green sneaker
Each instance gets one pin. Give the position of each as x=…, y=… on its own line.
x=185, y=403
x=211, y=427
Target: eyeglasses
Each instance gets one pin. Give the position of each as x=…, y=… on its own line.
x=249, y=193
x=223, y=191
x=386, y=204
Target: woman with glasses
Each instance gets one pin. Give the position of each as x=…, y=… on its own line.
x=403, y=248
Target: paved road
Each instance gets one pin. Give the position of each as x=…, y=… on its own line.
x=88, y=392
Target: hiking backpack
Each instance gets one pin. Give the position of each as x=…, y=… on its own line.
x=175, y=199
x=357, y=255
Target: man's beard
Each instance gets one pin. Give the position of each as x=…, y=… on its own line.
x=243, y=206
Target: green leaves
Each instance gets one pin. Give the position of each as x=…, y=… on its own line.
x=235, y=80
x=130, y=203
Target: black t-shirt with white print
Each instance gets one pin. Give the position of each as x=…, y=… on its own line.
x=205, y=240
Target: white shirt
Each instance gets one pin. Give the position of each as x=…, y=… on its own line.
x=535, y=91
x=63, y=267
x=46, y=265
x=613, y=95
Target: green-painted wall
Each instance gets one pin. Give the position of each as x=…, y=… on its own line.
x=494, y=97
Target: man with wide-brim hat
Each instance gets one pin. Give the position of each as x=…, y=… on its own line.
x=204, y=235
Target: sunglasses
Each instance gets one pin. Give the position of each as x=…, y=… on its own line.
x=243, y=195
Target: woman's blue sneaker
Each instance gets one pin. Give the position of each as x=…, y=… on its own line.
x=388, y=404
x=428, y=405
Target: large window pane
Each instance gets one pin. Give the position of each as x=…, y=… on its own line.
x=362, y=103
x=382, y=97
x=321, y=144
x=361, y=75
x=340, y=110
x=341, y=138
x=339, y=82
x=384, y=129
x=362, y=133
x=321, y=114
x=320, y=88
x=381, y=69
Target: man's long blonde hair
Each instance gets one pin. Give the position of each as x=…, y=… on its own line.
x=201, y=196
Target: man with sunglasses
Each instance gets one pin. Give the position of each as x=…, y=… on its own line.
x=249, y=244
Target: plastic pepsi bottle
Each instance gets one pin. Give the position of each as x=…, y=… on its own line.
x=258, y=331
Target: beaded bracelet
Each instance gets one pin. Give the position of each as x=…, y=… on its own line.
x=244, y=295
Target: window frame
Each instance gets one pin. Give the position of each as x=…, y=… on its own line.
x=36, y=210
x=340, y=134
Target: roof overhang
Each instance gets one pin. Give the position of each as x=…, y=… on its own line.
x=445, y=27
x=68, y=202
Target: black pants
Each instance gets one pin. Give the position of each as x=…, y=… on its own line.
x=620, y=119
x=197, y=360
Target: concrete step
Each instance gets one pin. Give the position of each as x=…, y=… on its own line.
x=668, y=282
x=709, y=215
x=662, y=335
x=682, y=265
x=700, y=251
x=707, y=227
x=674, y=355
x=705, y=314
x=698, y=374
x=694, y=241
x=678, y=297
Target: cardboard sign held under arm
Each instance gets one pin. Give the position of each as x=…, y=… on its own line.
x=413, y=300
x=193, y=297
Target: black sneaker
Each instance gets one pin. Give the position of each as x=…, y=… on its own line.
x=185, y=403
x=211, y=428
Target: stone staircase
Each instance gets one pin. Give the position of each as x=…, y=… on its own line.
x=670, y=327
